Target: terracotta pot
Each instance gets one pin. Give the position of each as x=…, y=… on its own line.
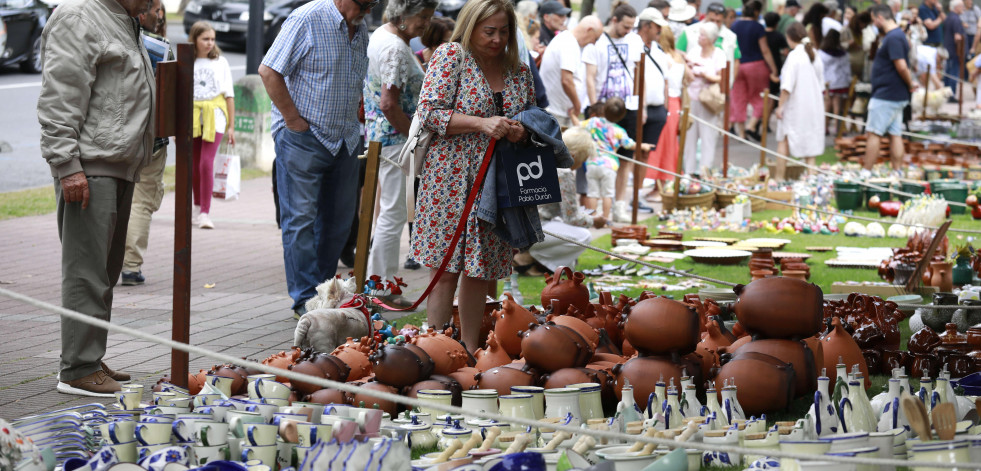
x=448, y=354
x=492, y=355
x=796, y=274
x=873, y=360
x=607, y=357
x=441, y=382
x=334, y=369
x=794, y=352
x=643, y=373
x=356, y=358
x=765, y=384
x=760, y=274
x=892, y=359
x=364, y=397
x=238, y=375
x=941, y=276
x=924, y=364
x=660, y=326
x=923, y=341
x=196, y=381
x=735, y=345
x=309, y=368
x=327, y=396
x=570, y=291
x=838, y=345
x=780, y=308
x=817, y=349
x=486, y=322
x=608, y=345
x=549, y=347
x=401, y=365
x=502, y=378
x=583, y=329
x=509, y=320
x=465, y=376
x=566, y=376
x=708, y=347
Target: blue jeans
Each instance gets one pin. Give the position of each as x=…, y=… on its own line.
x=953, y=68
x=317, y=197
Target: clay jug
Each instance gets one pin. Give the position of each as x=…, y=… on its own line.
x=794, y=352
x=502, y=378
x=511, y=319
x=837, y=344
x=549, y=347
x=445, y=383
x=327, y=396
x=923, y=341
x=448, y=354
x=780, y=308
x=582, y=328
x=309, y=368
x=765, y=383
x=356, y=358
x=566, y=376
x=570, y=291
x=465, y=376
x=660, y=326
x=364, y=399
x=942, y=277
x=401, y=365
x=643, y=374
x=492, y=355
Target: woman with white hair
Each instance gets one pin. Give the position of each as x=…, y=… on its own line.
x=706, y=68
x=391, y=91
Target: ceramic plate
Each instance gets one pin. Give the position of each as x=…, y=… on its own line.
x=728, y=240
x=819, y=249
x=836, y=263
x=767, y=242
x=718, y=256
x=662, y=244
x=703, y=243
x=779, y=255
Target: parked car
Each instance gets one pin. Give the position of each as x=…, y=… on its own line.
x=23, y=21
x=230, y=18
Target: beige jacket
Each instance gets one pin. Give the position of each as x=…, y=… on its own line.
x=97, y=92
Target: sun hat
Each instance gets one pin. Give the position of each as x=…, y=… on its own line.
x=681, y=11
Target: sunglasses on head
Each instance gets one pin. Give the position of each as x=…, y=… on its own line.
x=716, y=9
x=365, y=6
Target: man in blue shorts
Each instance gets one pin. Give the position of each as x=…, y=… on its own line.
x=892, y=84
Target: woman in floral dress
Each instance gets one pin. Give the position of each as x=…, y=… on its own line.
x=473, y=86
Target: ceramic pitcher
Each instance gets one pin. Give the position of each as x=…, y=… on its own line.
x=823, y=419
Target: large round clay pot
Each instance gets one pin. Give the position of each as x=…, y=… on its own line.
x=582, y=328
x=923, y=341
x=566, y=376
x=327, y=396
x=334, y=369
x=400, y=366
x=780, y=308
x=465, y=376
x=765, y=384
x=492, y=355
x=794, y=352
x=511, y=319
x=643, y=373
x=355, y=359
x=549, y=347
x=817, y=348
x=941, y=276
x=371, y=402
x=306, y=367
x=837, y=345
x=661, y=326
x=570, y=291
x=612, y=358
x=502, y=378
x=448, y=354
x=441, y=382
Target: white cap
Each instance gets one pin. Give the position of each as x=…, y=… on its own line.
x=651, y=14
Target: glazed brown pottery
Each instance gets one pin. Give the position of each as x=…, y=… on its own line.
x=873, y=360
x=326, y=396
x=549, y=347
x=492, y=355
x=924, y=364
x=794, y=352
x=566, y=376
x=780, y=308
x=465, y=376
x=892, y=359
x=371, y=402
x=923, y=341
x=400, y=365
x=796, y=274
x=502, y=378
x=570, y=291
x=974, y=337
x=643, y=373
x=760, y=274
x=950, y=336
x=448, y=354
x=838, y=345
x=660, y=326
x=445, y=383
x=960, y=365
x=765, y=383
x=511, y=319
x=941, y=276
x=868, y=336
x=306, y=367
x=585, y=330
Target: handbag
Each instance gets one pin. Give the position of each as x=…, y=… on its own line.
x=712, y=98
x=526, y=176
x=413, y=153
x=228, y=176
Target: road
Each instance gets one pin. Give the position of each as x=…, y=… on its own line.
x=21, y=165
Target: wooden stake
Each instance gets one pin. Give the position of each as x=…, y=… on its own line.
x=681, y=156
x=181, y=327
x=960, y=78
x=725, y=120
x=926, y=91
x=366, y=217
x=766, y=127
x=638, y=152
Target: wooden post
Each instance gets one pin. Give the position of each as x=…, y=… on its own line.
x=367, y=213
x=926, y=91
x=960, y=78
x=725, y=120
x=183, y=98
x=681, y=156
x=638, y=152
x=766, y=126
x=848, y=106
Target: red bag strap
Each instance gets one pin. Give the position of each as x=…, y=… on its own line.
x=471, y=198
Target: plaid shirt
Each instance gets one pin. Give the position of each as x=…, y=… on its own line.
x=324, y=72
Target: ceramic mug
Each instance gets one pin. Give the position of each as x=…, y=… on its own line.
x=205, y=400
x=217, y=411
x=237, y=418
x=279, y=417
x=118, y=431
x=309, y=434
x=128, y=399
x=317, y=410
x=143, y=452
x=126, y=451
x=206, y=454
x=265, y=388
x=183, y=427
x=168, y=387
x=153, y=433
x=158, y=460
x=306, y=412
x=132, y=387
x=266, y=454
x=301, y=454
x=158, y=418
x=210, y=434
x=265, y=410
x=285, y=455
x=221, y=383
x=261, y=434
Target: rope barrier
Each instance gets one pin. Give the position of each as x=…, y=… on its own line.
x=453, y=410
x=954, y=77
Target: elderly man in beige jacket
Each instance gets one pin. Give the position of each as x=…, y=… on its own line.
x=96, y=114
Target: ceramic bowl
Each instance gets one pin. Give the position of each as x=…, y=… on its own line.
x=847, y=441
x=947, y=452
x=627, y=461
x=813, y=447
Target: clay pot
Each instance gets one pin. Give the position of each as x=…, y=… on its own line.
x=892, y=359
x=780, y=308
x=447, y=354
x=960, y=365
x=950, y=336
x=371, y=402
x=326, y=396
x=570, y=291
x=794, y=352
x=868, y=336
x=196, y=381
x=549, y=347
x=238, y=373
x=486, y=322
x=502, y=378
x=401, y=365
x=586, y=331
x=923, y=341
x=817, y=349
x=795, y=274
x=708, y=347
x=509, y=320
x=873, y=360
x=765, y=384
x=566, y=376
x=356, y=359
x=760, y=274
x=837, y=345
x=309, y=368
x=492, y=355
x=924, y=364
x=942, y=276
x=974, y=337
x=465, y=376
x=644, y=372
x=660, y=326
x=441, y=382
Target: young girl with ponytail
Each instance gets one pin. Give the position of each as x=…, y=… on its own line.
x=800, y=131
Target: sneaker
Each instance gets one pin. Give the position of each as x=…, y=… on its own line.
x=116, y=375
x=204, y=222
x=97, y=384
x=133, y=278
x=621, y=213
x=411, y=264
x=195, y=214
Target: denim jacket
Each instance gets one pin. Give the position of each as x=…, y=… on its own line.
x=521, y=226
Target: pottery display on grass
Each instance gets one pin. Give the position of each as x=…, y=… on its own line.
x=569, y=291
x=509, y=320
x=492, y=355
x=765, y=383
x=779, y=308
x=448, y=354
x=794, y=352
x=660, y=326
x=838, y=345
x=549, y=347
x=401, y=365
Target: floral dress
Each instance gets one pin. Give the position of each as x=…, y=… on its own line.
x=454, y=83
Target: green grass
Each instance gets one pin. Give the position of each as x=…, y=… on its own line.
x=41, y=200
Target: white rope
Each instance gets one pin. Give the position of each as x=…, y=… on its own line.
x=954, y=77
x=413, y=402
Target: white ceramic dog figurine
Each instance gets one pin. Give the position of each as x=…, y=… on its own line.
x=326, y=324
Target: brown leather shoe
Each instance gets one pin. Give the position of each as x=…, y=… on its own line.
x=97, y=384
x=114, y=374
